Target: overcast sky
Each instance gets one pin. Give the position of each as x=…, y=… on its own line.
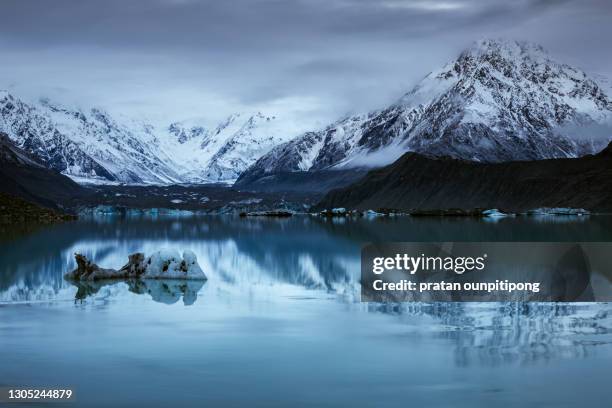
x=318, y=59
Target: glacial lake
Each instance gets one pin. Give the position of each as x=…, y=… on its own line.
x=279, y=322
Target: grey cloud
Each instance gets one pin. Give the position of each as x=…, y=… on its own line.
x=207, y=58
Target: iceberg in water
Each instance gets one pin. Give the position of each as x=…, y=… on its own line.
x=164, y=264
x=558, y=211
x=495, y=213
x=372, y=213
x=167, y=264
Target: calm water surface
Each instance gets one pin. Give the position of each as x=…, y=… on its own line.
x=279, y=321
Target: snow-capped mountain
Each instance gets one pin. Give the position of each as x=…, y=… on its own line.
x=499, y=101
x=223, y=153
x=91, y=145
x=85, y=144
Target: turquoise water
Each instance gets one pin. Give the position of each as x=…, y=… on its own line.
x=279, y=321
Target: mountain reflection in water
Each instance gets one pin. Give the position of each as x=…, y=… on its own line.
x=309, y=252
x=288, y=290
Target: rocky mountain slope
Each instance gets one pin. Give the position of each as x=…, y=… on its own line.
x=23, y=176
x=499, y=101
x=93, y=146
x=426, y=183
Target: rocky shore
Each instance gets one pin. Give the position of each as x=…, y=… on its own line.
x=14, y=210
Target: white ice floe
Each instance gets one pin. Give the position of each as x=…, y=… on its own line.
x=168, y=264
x=495, y=213
x=372, y=213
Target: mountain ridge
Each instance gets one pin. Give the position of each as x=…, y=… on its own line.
x=498, y=101
x=92, y=146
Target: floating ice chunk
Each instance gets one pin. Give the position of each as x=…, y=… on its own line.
x=193, y=268
x=494, y=212
x=163, y=264
x=372, y=213
x=558, y=211
x=168, y=264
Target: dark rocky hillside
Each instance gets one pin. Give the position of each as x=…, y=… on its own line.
x=316, y=182
x=423, y=183
x=16, y=210
x=23, y=176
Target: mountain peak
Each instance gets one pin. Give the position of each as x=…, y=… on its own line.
x=488, y=60
x=505, y=56
x=500, y=100
x=4, y=94
x=507, y=48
